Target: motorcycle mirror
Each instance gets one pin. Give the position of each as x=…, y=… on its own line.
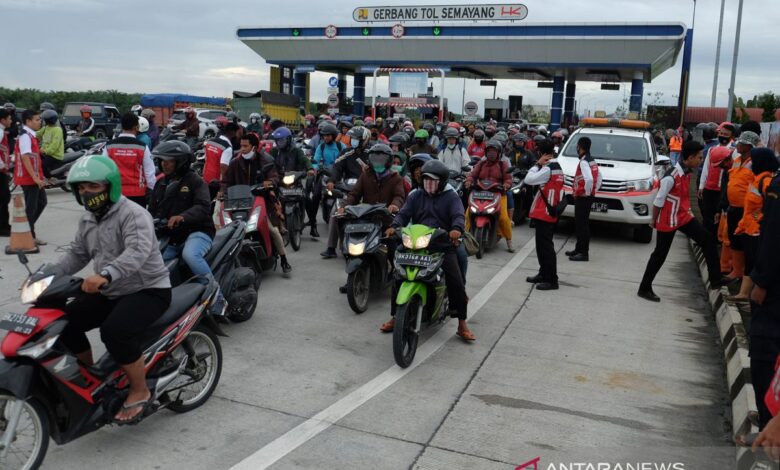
x=23, y=259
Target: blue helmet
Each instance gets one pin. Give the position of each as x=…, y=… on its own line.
x=281, y=133
x=418, y=160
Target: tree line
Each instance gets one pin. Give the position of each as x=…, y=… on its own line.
x=32, y=98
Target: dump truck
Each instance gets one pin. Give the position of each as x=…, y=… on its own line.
x=276, y=105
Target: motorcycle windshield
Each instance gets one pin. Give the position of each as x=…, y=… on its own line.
x=239, y=198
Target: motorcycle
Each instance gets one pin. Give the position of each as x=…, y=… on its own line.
x=422, y=295
x=45, y=392
x=368, y=264
x=484, y=210
x=522, y=194
x=293, y=197
x=59, y=176
x=334, y=197
x=236, y=282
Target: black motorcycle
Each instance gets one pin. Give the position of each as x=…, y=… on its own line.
x=293, y=197
x=59, y=176
x=369, y=264
x=522, y=194
x=236, y=282
x=334, y=197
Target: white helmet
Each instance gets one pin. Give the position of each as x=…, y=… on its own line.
x=136, y=109
x=254, y=116
x=143, y=124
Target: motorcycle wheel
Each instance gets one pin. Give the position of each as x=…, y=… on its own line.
x=404, y=337
x=203, y=369
x=244, y=310
x=245, y=261
x=358, y=290
x=32, y=432
x=296, y=231
x=479, y=234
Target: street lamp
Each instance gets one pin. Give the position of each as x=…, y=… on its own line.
x=734, y=63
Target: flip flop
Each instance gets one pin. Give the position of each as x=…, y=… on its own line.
x=143, y=404
x=466, y=335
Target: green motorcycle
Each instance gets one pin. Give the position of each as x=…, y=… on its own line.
x=422, y=294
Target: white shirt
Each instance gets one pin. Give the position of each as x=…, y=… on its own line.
x=150, y=172
x=454, y=159
x=25, y=141
x=587, y=175
x=665, y=185
x=227, y=154
x=537, y=176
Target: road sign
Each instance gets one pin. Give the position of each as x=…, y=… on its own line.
x=333, y=82
x=478, y=12
x=331, y=31
x=398, y=31
x=333, y=100
x=333, y=89
x=333, y=110
x=470, y=118
x=488, y=83
x=471, y=108
x=600, y=114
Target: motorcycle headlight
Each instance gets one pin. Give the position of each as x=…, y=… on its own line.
x=491, y=210
x=640, y=185
x=407, y=240
x=38, y=349
x=31, y=290
x=356, y=249
x=251, y=224
x=288, y=180
x=422, y=242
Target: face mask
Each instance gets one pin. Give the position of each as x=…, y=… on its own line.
x=478, y=140
x=397, y=168
x=308, y=123
x=378, y=169
x=451, y=146
x=391, y=126
x=355, y=143
x=281, y=144
x=723, y=140
x=254, y=120
x=248, y=156
x=430, y=185
x=95, y=202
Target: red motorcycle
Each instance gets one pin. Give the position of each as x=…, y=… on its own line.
x=46, y=392
x=484, y=209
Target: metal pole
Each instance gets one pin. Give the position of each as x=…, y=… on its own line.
x=717, y=54
x=463, y=100
x=441, y=97
x=730, y=109
x=373, y=95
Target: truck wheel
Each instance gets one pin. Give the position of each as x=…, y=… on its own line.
x=208, y=135
x=643, y=234
x=100, y=133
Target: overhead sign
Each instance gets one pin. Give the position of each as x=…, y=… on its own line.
x=333, y=100
x=398, y=31
x=488, y=83
x=484, y=12
x=471, y=108
x=408, y=83
x=333, y=81
x=331, y=31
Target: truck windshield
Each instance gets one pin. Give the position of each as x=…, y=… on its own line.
x=612, y=147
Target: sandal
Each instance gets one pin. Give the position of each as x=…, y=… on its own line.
x=466, y=334
x=142, y=404
x=388, y=326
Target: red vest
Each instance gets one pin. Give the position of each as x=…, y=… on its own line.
x=579, y=180
x=551, y=191
x=5, y=153
x=21, y=177
x=716, y=155
x=213, y=151
x=677, y=207
x=128, y=154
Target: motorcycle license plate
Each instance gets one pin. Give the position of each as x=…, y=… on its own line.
x=292, y=191
x=358, y=228
x=484, y=195
x=411, y=259
x=599, y=207
x=19, y=323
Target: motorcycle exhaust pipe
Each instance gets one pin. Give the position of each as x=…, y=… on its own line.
x=166, y=380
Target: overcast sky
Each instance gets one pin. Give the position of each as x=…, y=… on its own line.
x=191, y=47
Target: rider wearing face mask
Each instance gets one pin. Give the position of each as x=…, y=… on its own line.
x=493, y=168
x=309, y=126
x=477, y=146
x=421, y=144
x=131, y=289
x=287, y=156
x=391, y=128
x=436, y=207
x=453, y=155
x=255, y=124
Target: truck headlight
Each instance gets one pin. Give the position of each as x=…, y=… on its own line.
x=640, y=185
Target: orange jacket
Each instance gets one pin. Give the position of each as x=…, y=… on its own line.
x=740, y=177
x=754, y=203
x=345, y=139
x=675, y=144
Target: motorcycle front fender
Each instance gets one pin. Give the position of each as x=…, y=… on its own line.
x=409, y=290
x=354, y=264
x=16, y=378
x=482, y=221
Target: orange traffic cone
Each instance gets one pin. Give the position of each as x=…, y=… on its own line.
x=21, y=237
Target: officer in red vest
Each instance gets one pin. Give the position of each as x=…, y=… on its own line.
x=5, y=172
x=218, y=152
x=587, y=181
x=672, y=212
x=546, y=174
x=28, y=170
x=134, y=161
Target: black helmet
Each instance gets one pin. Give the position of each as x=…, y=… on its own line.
x=479, y=135
x=451, y=132
x=328, y=129
x=46, y=105
x=399, y=138
x=345, y=123
x=438, y=170
x=429, y=127
x=495, y=144
x=49, y=116
x=520, y=137
x=418, y=160
x=380, y=154
x=174, y=150
x=232, y=117
x=409, y=131
x=539, y=138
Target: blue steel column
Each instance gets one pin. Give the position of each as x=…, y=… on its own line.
x=637, y=88
x=299, y=89
x=682, y=101
x=359, y=94
x=342, y=89
x=568, y=108
x=557, y=102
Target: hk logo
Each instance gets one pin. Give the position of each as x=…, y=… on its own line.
x=363, y=13
x=530, y=465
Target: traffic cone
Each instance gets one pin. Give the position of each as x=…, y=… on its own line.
x=21, y=237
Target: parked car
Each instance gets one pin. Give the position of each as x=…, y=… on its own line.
x=106, y=117
x=630, y=168
x=208, y=129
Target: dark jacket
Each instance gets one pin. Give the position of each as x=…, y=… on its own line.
x=188, y=197
x=766, y=272
x=443, y=210
x=370, y=190
x=291, y=159
x=191, y=127
x=426, y=148
x=347, y=166
x=251, y=172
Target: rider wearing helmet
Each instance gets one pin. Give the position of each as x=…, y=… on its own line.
x=182, y=198
x=493, y=168
x=433, y=139
x=542, y=130
x=344, y=126
x=154, y=131
x=436, y=207
x=130, y=289
x=143, y=132
x=134, y=160
x=233, y=117
x=391, y=127
x=476, y=148
x=137, y=109
x=415, y=168
x=52, y=142
x=328, y=150
x=255, y=124
x=86, y=128
x=190, y=126
x=453, y=155
x=287, y=156
x=557, y=140
x=309, y=126
x=421, y=144
x=397, y=144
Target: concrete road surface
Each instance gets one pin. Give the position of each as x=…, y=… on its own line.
x=586, y=374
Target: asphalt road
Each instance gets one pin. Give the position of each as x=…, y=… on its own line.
x=589, y=373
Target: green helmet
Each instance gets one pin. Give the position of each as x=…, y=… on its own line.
x=421, y=134
x=96, y=169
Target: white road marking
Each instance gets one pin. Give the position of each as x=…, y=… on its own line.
x=292, y=439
